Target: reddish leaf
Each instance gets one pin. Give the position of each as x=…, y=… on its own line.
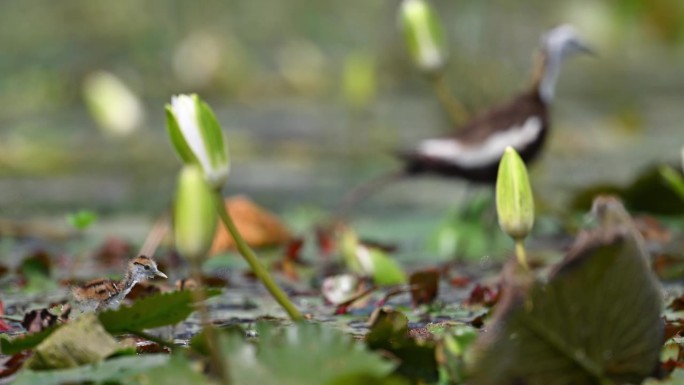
x=4, y=327
x=677, y=303
x=483, y=295
x=293, y=250
x=670, y=365
x=424, y=286
x=14, y=364
x=325, y=240
x=459, y=281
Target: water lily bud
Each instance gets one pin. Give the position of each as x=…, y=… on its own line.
x=194, y=214
x=114, y=107
x=514, y=201
x=197, y=137
x=424, y=35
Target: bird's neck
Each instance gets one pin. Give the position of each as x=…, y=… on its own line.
x=127, y=283
x=545, y=76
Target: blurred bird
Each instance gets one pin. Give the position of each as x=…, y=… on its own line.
x=474, y=151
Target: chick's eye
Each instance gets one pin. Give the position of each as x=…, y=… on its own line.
x=147, y=267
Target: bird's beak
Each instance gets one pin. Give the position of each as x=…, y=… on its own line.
x=584, y=48
x=160, y=274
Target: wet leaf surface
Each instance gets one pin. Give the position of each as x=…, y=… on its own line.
x=115, y=369
x=151, y=312
x=597, y=318
x=83, y=341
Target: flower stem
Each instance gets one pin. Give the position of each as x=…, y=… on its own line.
x=454, y=109
x=521, y=254
x=257, y=268
x=219, y=363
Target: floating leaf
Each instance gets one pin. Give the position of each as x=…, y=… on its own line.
x=151, y=312
x=424, y=286
x=389, y=332
x=258, y=226
x=27, y=341
x=177, y=370
x=82, y=219
x=83, y=341
x=120, y=368
x=596, y=320
x=372, y=261
x=280, y=356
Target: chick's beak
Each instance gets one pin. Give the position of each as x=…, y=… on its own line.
x=160, y=274
x=586, y=49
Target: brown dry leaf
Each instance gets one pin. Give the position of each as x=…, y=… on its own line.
x=424, y=286
x=258, y=227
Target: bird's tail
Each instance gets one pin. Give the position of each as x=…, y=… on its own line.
x=364, y=190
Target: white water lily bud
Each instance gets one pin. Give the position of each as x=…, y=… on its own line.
x=194, y=214
x=113, y=105
x=424, y=35
x=514, y=201
x=197, y=137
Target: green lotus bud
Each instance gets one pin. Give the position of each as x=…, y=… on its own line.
x=514, y=201
x=197, y=137
x=195, y=218
x=424, y=35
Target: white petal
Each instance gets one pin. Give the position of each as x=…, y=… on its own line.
x=185, y=111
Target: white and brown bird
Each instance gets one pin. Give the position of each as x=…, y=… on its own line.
x=473, y=152
x=103, y=293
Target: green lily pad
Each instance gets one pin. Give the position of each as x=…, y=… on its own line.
x=301, y=354
x=153, y=311
x=12, y=346
x=597, y=320
x=83, y=341
x=120, y=368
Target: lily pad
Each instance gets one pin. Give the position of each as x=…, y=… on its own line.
x=597, y=320
x=302, y=354
x=80, y=342
x=111, y=370
x=151, y=312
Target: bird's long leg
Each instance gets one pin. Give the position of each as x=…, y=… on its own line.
x=364, y=190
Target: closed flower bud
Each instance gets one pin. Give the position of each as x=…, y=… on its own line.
x=514, y=201
x=197, y=137
x=194, y=214
x=424, y=35
x=113, y=105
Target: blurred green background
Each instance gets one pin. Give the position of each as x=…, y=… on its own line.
x=315, y=95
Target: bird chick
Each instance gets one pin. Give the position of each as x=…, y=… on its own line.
x=103, y=293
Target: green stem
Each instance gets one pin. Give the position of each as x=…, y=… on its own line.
x=257, y=268
x=218, y=362
x=521, y=254
x=456, y=112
